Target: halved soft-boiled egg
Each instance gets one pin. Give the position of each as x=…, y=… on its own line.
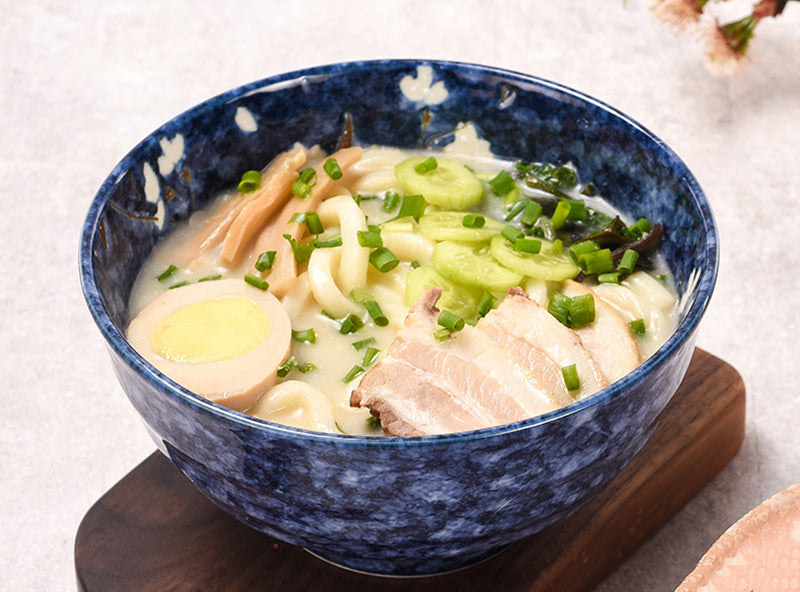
x=222, y=339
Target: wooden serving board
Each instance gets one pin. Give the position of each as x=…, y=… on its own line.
x=155, y=531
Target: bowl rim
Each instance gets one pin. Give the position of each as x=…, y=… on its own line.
x=114, y=337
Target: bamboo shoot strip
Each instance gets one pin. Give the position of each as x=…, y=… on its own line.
x=284, y=271
x=274, y=191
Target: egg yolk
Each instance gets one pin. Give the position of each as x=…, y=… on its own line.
x=211, y=330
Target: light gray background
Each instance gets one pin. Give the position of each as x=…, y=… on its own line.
x=82, y=82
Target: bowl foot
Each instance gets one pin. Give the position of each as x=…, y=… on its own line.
x=405, y=567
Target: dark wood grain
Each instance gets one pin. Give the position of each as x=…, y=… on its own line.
x=154, y=531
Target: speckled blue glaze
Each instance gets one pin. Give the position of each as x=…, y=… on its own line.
x=397, y=506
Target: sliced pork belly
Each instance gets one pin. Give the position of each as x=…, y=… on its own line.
x=608, y=339
x=529, y=323
x=424, y=386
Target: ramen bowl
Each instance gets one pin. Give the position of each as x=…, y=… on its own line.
x=393, y=505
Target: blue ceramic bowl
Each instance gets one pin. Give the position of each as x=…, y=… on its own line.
x=398, y=506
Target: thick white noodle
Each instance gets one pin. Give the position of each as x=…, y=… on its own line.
x=344, y=212
x=297, y=404
x=323, y=286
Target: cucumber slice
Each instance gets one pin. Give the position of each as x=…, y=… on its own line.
x=449, y=185
x=448, y=225
x=461, y=300
x=544, y=265
x=472, y=265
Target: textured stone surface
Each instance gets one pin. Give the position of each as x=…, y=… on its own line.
x=80, y=84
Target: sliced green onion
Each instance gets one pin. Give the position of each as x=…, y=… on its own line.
x=301, y=251
x=265, y=261
x=374, y=422
x=371, y=237
x=307, y=367
x=531, y=214
x=251, y=180
x=578, y=249
x=383, y=259
x=166, y=273
x=581, y=311
x=414, y=206
x=332, y=168
x=308, y=175
x=512, y=233
x=561, y=214
x=359, y=345
x=354, y=372
x=637, y=327
x=515, y=209
x=640, y=227
x=473, y=221
x=179, y=284
x=310, y=219
x=628, y=261
x=502, y=183
x=300, y=189
x=305, y=335
x=286, y=367
x=571, y=380
x=426, y=166
x=559, y=307
x=450, y=321
x=608, y=278
x=528, y=245
x=597, y=262
x=370, y=356
x=577, y=210
x=442, y=334
x=256, y=281
x=487, y=301
x=415, y=264
x=390, y=201
x=210, y=278
x=375, y=312
x=661, y=278
x=359, y=198
x=360, y=296
x=334, y=241
x=350, y=324
x=558, y=246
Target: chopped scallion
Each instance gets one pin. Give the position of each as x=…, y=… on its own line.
x=558, y=246
x=390, y=201
x=426, y=166
x=359, y=198
x=502, y=183
x=637, y=327
x=286, y=367
x=383, y=259
x=334, y=241
x=581, y=310
x=487, y=301
x=301, y=251
x=640, y=227
x=256, y=281
x=370, y=356
x=578, y=249
x=473, y=221
x=332, y=168
x=251, y=180
x=561, y=215
x=559, y=307
x=300, y=189
x=361, y=344
x=166, y=273
x=415, y=264
x=370, y=238
x=515, y=209
x=265, y=261
x=375, y=312
x=528, y=245
x=308, y=175
x=577, y=210
x=628, y=261
x=450, y=321
x=210, y=278
x=531, y=214
x=512, y=233
x=310, y=219
x=305, y=335
x=354, y=373
x=597, y=262
x=414, y=206
x=571, y=380
x=608, y=278
x=306, y=367
x=179, y=284
x=350, y=324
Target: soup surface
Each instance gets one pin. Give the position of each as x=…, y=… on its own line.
x=284, y=297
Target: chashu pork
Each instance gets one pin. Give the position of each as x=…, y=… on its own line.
x=504, y=369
